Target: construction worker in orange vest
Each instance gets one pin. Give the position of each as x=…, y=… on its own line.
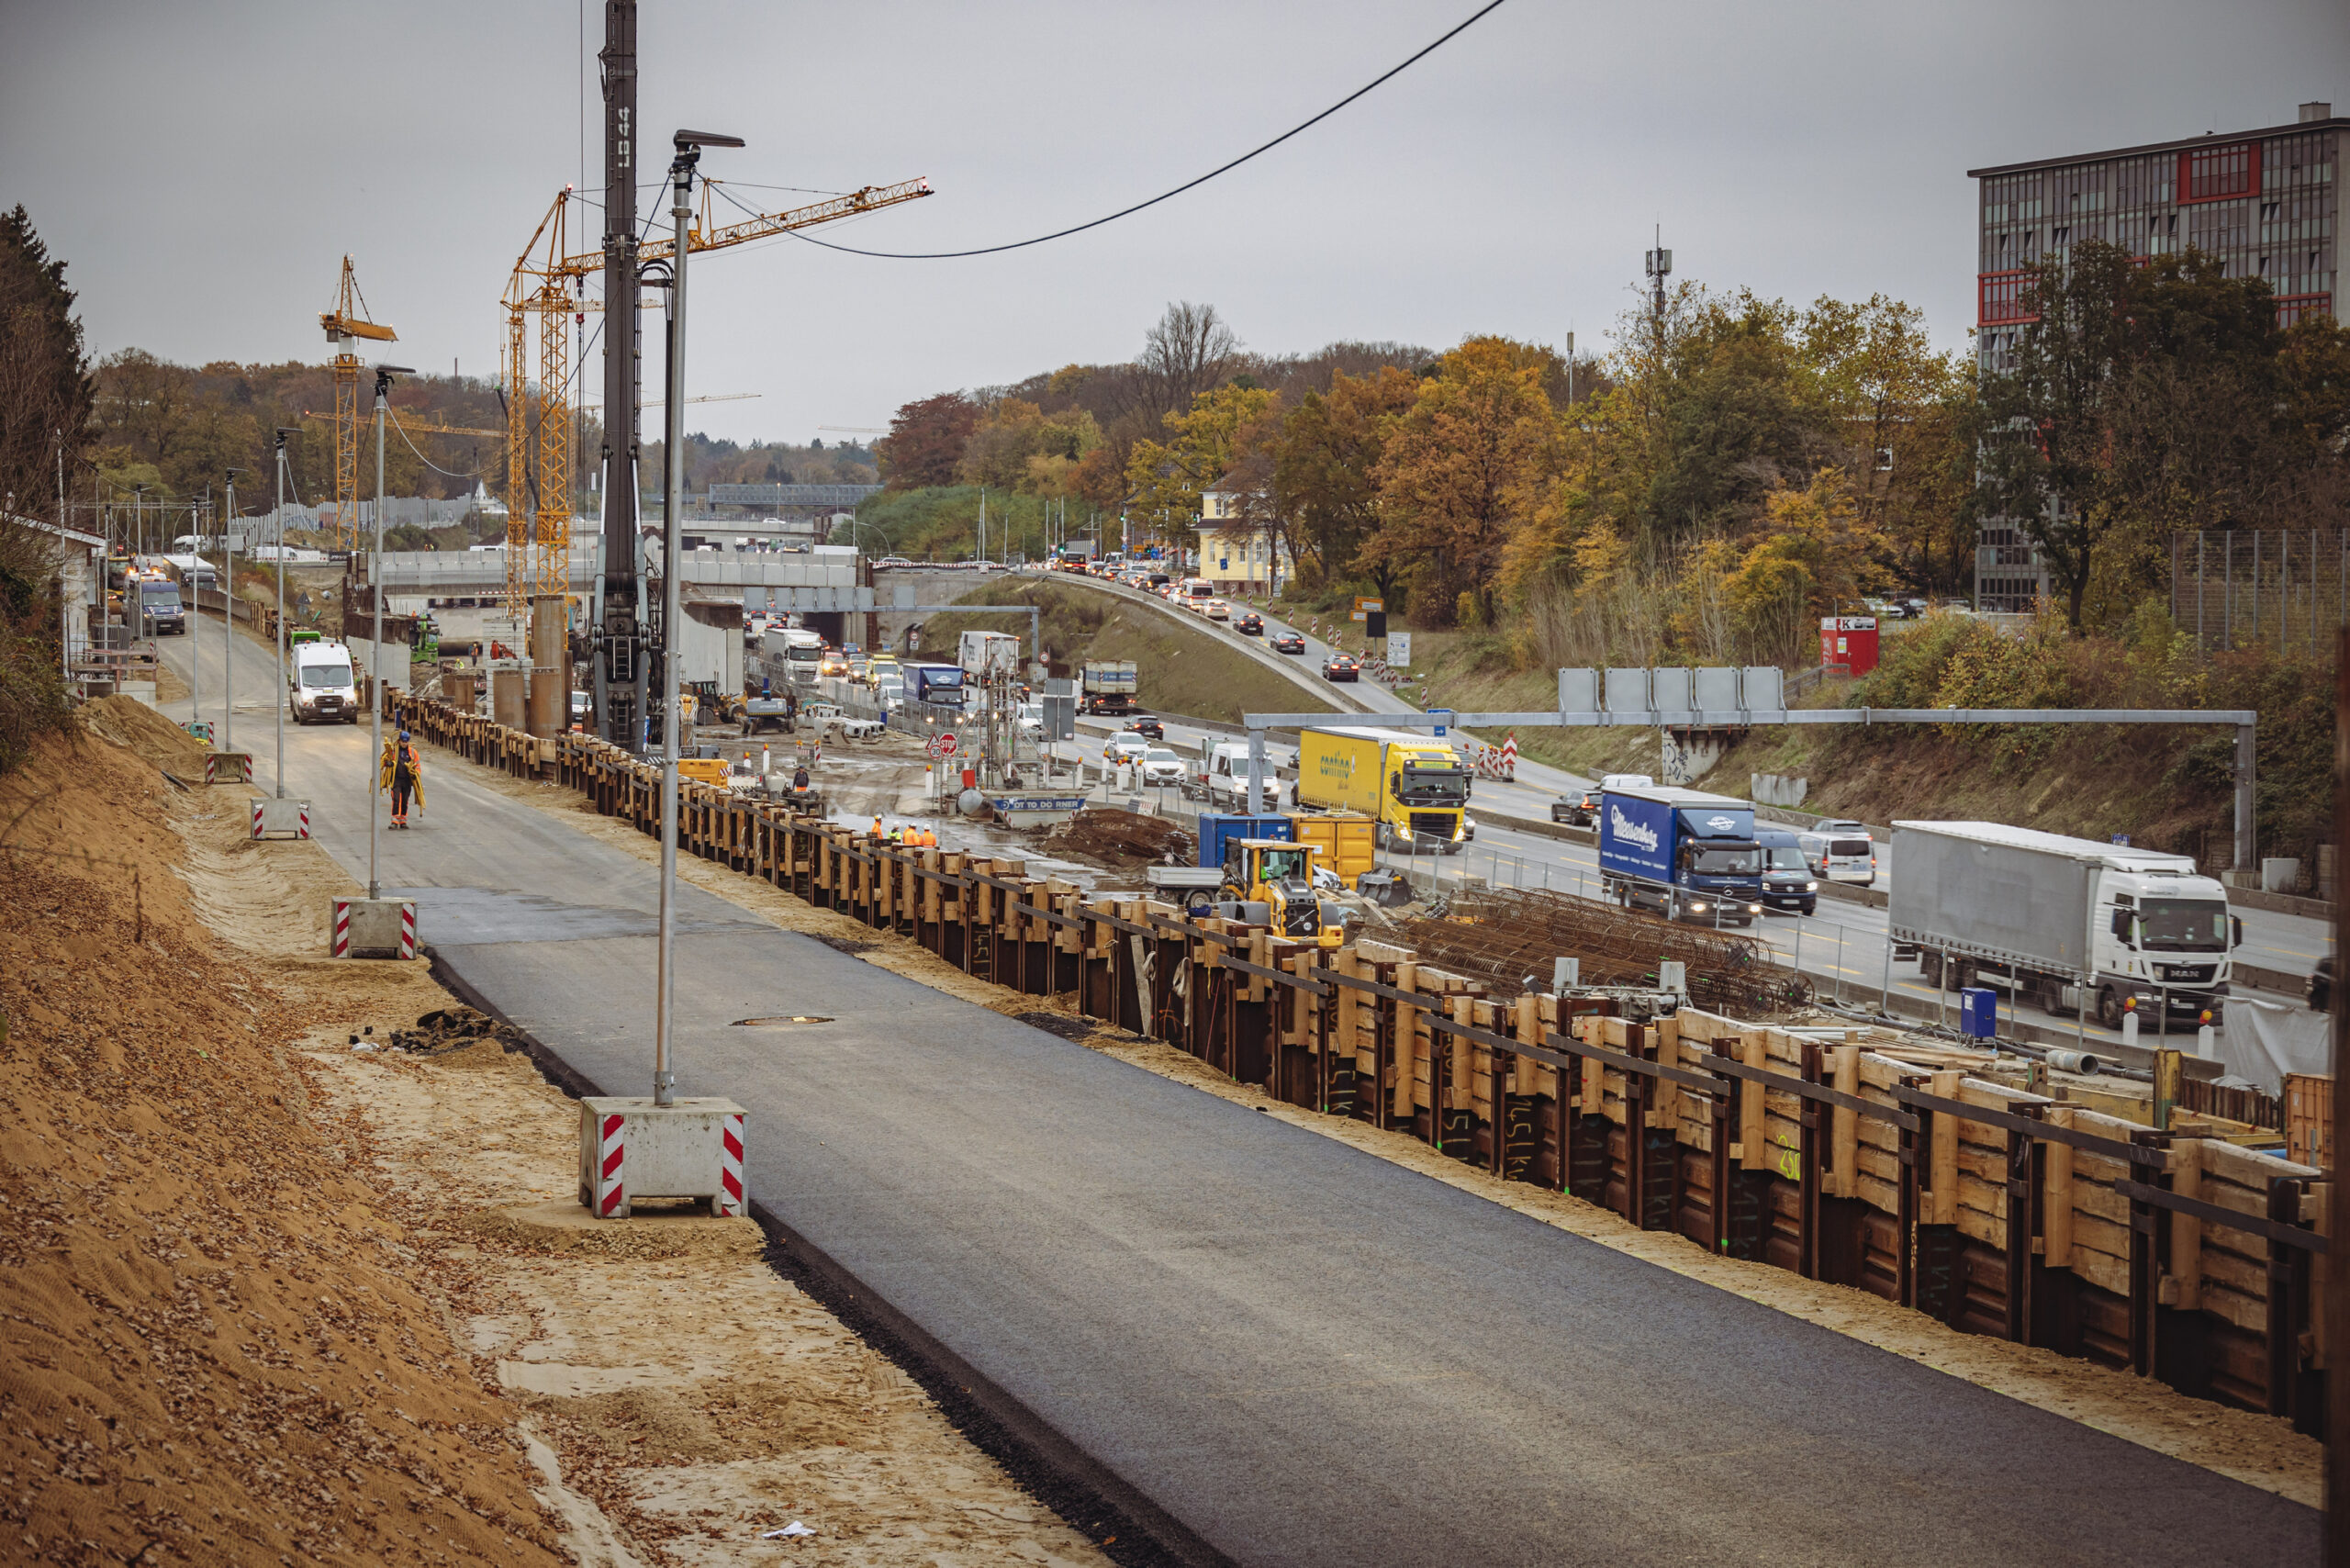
x=403, y=776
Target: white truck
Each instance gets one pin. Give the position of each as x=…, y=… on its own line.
x=986, y=654
x=1107, y=687
x=793, y=655
x=2069, y=923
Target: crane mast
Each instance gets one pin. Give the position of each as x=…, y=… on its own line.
x=346, y=323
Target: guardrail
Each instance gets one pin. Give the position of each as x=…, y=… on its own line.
x=1992, y=1209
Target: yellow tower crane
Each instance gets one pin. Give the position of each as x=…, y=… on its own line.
x=547, y=294
x=346, y=322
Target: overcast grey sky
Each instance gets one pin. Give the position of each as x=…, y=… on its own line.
x=203, y=167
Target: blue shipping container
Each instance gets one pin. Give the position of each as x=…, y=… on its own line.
x=1216, y=828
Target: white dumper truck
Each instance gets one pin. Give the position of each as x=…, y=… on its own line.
x=2064, y=922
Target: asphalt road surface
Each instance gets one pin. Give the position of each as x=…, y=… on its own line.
x=1302, y=1353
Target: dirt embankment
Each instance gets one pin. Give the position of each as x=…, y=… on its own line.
x=273, y=1300
x=220, y=1351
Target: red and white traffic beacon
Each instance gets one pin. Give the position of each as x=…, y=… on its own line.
x=1848, y=644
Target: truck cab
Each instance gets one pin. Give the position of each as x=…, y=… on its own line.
x=1686, y=854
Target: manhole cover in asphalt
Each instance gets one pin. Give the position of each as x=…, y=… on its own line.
x=847, y=944
x=796, y=1018
x=1054, y=1023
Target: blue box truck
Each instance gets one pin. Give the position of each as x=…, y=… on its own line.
x=1682, y=853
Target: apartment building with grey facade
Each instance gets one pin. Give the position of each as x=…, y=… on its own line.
x=2267, y=203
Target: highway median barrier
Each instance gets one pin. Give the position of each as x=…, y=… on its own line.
x=1928, y=1175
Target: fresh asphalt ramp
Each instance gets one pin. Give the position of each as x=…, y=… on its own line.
x=1301, y=1353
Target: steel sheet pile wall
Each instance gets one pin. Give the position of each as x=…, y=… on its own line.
x=1995, y=1210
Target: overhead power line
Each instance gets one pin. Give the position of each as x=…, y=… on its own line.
x=1477, y=16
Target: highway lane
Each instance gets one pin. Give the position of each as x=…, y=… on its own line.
x=1842, y=946
x=2287, y=942
x=1304, y=1354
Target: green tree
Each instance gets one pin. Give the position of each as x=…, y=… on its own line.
x=925, y=442
x=2138, y=400
x=1170, y=476
x=1456, y=472
x=1325, y=463
x=45, y=404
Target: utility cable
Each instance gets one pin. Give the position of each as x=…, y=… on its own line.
x=1480, y=15
x=449, y=473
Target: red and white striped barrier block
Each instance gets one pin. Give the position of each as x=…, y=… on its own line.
x=227, y=768
x=372, y=928
x=612, y=1159
x=635, y=1152
x=730, y=1200
x=272, y=817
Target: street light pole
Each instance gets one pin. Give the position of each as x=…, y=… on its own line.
x=227, y=611
x=284, y=695
x=195, y=612
x=384, y=374
x=689, y=145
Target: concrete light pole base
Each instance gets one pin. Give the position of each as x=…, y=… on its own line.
x=274, y=817
x=631, y=1151
x=372, y=928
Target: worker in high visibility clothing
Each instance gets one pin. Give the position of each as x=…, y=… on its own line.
x=403, y=776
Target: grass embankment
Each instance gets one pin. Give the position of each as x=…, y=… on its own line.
x=1178, y=670
x=2169, y=786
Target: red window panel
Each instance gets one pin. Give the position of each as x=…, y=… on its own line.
x=2294, y=308
x=2001, y=299
x=2215, y=173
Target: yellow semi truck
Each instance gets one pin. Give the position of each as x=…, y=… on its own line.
x=1411, y=786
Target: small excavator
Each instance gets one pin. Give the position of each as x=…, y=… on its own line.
x=1276, y=876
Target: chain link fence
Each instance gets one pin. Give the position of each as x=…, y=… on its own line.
x=2288, y=588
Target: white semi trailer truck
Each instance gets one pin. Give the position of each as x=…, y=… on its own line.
x=2066, y=923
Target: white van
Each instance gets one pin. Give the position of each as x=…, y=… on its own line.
x=1839, y=851
x=320, y=685
x=1226, y=778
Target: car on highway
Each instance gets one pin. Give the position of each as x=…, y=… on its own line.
x=2319, y=991
x=1146, y=724
x=1160, y=766
x=831, y=664
x=1251, y=625
x=1286, y=643
x=1576, y=809
x=582, y=707
x=1341, y=667
x=1125, y=746
x=1216, y=609
x=1787, y=881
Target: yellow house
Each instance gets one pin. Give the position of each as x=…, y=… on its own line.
x=1238, y=556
